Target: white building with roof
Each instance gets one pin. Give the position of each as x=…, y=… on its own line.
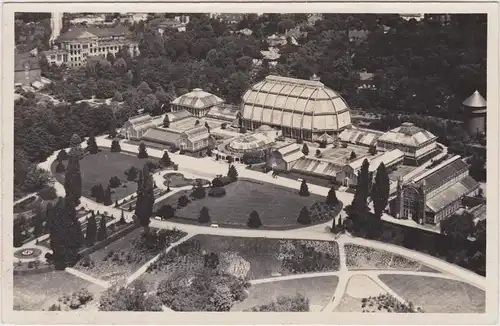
x=301, y=109
x=283, y=158
x=137, y=125
x=348, y=175
x=197, y=102
x=416, y=143
x=358, y=136
x=194, y=140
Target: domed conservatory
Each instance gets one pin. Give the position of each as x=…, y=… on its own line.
x=301, y=109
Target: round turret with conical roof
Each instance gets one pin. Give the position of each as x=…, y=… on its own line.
x=475, y=108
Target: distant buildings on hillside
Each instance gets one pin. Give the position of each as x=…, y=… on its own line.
x=80, y=43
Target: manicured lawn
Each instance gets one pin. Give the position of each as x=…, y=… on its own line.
x=123, y=257
x=38, y=291
x=99, y=168
x=437, y=295
x=364, y=258
x=249, y=258
x=277, y=206
x=319, y=291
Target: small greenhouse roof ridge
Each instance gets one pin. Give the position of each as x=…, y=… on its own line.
x=296, y=81
x=476, y=100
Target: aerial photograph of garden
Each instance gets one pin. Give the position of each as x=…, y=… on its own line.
x=211, y=163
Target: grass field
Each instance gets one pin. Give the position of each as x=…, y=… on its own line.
x=37, y=292
x=364, y=258
x=436, y=295
x=319, y=291
x=358, y=287
x=99, y=168
x=277, y=206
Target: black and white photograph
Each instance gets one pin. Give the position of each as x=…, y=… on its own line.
x=327, y=162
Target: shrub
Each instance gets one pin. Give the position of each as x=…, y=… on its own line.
x=48, y=193
x=322, y=144
x=115, y=146
x=344, y=145
x=229, y=159
x=305, y=149
x=132, y=173
x=152, y=166
x=198, y=192
x=204, y=216
x=142, y=151
x=304, y=189
x=304, y=216
x=221, y=181
x=60, y=168
x=217, y=192
x=183, y=201
x=223, y=126
x=209, y=152
x=114, y=182
x=254, y=221
x=318, y=153
x=166, y=212
x=55, y=307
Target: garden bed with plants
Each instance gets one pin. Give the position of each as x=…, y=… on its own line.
x=124, y=256
x=277, y=207
x=247, y=258
x=437, y=295
x=364, y=258
x=318, y=290
x=177, y=180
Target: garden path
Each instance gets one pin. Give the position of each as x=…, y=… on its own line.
x=144, y=267
x=87, y=277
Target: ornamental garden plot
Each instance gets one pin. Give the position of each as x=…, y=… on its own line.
x=364, y=258
x=232, y=261
x=123, y=257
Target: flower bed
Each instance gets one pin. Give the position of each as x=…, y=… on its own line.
x=122, y=257
x=176, y=180
x=321, y=212
x=360, y=257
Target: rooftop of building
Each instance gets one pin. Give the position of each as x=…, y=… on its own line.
x=315, y=166
x=198, y=99
x=431, y=178
x=408, y=134
x=360, y=136
x=76, y=32
x=295, y=103
x=387, y=158
x=161, y=135
x=451, y=194
x=476, y=100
